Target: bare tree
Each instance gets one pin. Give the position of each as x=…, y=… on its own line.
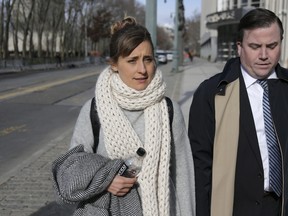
x=164, y=41
x=8, y=9
x=42, y=7
x=120, y=8
x=2, y=28
x=15, y=28
x=70, y=28
x=61, y=25
x=140, y=13
x=192, y=34
x=31, y=43
x=99, y=27
x=56, y=14
x=26, y=22
x=107, y=12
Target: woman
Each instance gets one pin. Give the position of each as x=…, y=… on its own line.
x=133, y=113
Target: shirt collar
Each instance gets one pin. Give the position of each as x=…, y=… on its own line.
x=249, y=80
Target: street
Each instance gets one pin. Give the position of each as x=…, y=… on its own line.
x=34, y=110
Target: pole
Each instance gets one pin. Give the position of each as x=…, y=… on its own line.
x=151, y=20
x=176, y=39
x=86, y=38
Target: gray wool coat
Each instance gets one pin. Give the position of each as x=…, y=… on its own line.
x=86, y=185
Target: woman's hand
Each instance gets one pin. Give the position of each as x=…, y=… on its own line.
x=120, y=185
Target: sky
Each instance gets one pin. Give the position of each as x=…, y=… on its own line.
x=166, y=11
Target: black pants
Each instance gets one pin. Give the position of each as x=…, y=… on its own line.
x=271, y=205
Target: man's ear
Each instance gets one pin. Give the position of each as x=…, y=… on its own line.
x=239, y=48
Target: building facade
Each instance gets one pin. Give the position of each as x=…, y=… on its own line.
x=219, y=22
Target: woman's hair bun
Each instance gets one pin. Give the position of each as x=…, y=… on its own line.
x=127, y=21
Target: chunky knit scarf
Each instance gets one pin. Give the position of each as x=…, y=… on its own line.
x=121, y=140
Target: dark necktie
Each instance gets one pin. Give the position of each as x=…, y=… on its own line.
x=275, y=173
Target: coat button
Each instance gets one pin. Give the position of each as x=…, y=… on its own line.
x=259, y=175
x=257, y=203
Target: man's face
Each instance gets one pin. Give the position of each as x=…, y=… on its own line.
x=260, y=50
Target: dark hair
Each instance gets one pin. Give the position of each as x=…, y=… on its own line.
x=126, y=35
x=258, y=18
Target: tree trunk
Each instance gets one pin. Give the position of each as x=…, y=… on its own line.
x=9, y=8
x=57, y=19
x=16, y=31
x=31, y=45
x=2, y=30
x=26, y=28
x=42, y=18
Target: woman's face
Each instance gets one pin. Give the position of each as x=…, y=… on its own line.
x=137, y=70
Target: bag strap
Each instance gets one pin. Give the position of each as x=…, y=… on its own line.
x=170, y=111
x=96, y=123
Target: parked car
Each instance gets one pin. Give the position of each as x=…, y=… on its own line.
x=161, y=57
x=169, y=55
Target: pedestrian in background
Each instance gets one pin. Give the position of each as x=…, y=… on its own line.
x=58, y=60
x=238, y=127
x=190, y=54
x=133, y=112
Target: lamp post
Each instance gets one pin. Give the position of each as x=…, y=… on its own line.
x=179, y=23
x=176, y=39
x=151, y=19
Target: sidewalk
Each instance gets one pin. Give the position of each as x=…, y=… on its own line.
x=193, y=75
x=40, y=67
x=30, y=191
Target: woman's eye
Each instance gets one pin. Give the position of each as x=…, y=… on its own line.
x=148, y=60
x=132, y=61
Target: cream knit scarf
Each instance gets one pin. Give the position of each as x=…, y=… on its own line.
x=121, y=141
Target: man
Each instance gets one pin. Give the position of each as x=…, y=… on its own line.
x=241, y=162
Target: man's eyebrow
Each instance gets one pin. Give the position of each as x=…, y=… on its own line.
x=272, y=44
x=257, y=44
x=253, y=44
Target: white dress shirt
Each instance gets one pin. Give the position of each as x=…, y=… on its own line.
x=255, y=94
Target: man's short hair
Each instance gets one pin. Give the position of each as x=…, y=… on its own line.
x=258, y=18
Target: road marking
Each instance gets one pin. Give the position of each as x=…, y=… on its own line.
x=19, y=128
x=41, y=87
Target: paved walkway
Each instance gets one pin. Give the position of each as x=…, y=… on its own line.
x=41, y=67
x=30, y=191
